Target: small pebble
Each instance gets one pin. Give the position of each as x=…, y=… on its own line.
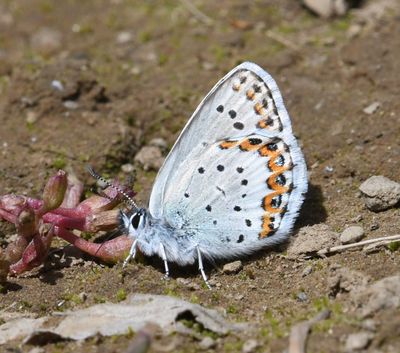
x=302, y=297
x=232, y=267
x=307, y=271
x=71, y=105
x=357, y=341
x=369, y=325
x=372, y=108
x=327, y=8
x=159, y=142
x=250, y=345
x=31, y=117
x=351, y=235
x=207, y=343
x=57, y=85
x=380, y=193
x=46, y=40
x=374, y=226
x=82, y=296
x=127, y=168
x=124, y=37
x=150, y=157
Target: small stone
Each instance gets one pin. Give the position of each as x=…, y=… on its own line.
x=374, y=226
x=46, y=40
x=124, y=37
x=358, y=341
x=380, y=193
x=346, y=280
x=307, y=271
x=232, y=267
x=369, y=325
x=72, y=105
x=250, y=345
x=381, y=295
x=31, y=117
x=82, y=296
x=327, y=8
x=351, y=235
x=150, y=157
x=127, y=168
x=372, y=108
x=159, y=142
x=302, y=297
x=354, y=31
x=207, y=343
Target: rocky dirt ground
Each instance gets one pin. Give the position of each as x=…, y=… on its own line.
x=134, y=71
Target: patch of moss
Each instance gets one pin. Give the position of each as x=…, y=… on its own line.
x=99, y=299
x=194, y=299
x=121, y=295
x=59, y=162
x=162, y=59
x=394, y=246
x=274, y=323
x=145, y=36
x=232, y=309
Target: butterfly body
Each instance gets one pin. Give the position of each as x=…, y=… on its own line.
x=234, y=181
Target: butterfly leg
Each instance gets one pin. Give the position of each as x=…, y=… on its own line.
x=132, y=253
x=201, y=268
x=164, y=258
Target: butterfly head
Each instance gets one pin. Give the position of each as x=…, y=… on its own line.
x=134, y=222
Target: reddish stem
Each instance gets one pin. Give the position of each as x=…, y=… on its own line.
x=109, y=251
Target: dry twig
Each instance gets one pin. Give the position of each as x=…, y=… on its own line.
x=339, y=248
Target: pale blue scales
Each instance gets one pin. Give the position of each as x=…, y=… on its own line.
x=219, y=203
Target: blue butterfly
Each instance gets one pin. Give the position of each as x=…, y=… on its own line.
x=233, y=182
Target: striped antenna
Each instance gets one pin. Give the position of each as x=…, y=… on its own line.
x=115, y=187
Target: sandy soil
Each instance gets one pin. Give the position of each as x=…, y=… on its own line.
x=134, y=71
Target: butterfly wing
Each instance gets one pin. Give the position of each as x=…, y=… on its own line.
x=236, y=173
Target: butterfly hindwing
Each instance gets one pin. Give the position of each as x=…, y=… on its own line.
x=236, y=174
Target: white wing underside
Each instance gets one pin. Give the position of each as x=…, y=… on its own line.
x=216, y=181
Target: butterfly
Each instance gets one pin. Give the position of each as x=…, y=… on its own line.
x=233, y=182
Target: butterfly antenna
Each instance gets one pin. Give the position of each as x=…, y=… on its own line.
x=115, y=187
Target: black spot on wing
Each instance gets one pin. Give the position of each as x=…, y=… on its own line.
x=220, y=167
x=232, y=114
x=238, y=126
x=201, y=170
x=220, y=108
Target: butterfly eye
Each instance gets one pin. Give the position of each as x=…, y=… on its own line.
x=135, y=220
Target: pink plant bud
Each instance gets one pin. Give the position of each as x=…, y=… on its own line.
x=25, y=224
x=74, y=191
x=14, y=250
x=54, y=191
x=12, y=205
x=36, y=251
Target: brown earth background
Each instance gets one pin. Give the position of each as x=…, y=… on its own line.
x=136, y=70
